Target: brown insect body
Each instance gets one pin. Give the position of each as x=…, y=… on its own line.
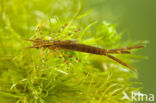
x=87, y=49
x=74, y=46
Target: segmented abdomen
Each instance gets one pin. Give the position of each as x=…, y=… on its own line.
x=83, y=48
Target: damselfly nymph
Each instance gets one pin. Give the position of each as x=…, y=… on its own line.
x=74, y=46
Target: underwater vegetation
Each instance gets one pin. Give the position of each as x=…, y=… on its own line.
x=46, y=76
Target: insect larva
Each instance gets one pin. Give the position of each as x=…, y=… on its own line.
x=74, y=46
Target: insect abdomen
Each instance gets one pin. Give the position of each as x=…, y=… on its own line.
x=84, y=48
x=90, y=49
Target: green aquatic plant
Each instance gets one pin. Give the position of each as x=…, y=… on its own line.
x=44, y=76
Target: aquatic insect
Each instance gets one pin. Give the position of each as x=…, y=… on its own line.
x=74, y=46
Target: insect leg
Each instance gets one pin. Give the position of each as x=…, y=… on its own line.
x=62, y=28
x=36, y=32
x=62, y=57
x=76, y=31
x=40, y=32
x=43, y=58
x=69, y=34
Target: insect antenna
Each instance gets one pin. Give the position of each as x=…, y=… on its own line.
x=29, y=40
x=61, y=30
x=30, y=46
